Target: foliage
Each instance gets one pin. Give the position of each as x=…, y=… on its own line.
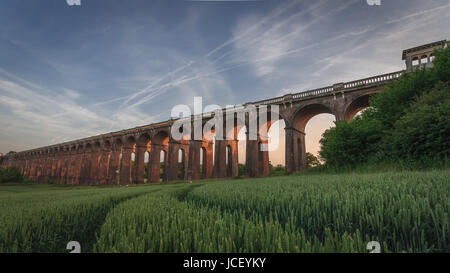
x=10, y=174
x=276, y=170
x=312, y=160
x=350, y=143
x=424, y=130
x=241, y=169
x=407, y=121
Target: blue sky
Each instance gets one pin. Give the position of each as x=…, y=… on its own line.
x=69, y=72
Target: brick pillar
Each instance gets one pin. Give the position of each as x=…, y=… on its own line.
x=233, y=159
x=52, y=167
x=49, y=166
x=94, y=171
x=172, y=173
x=114, y=165
x=84, y=167
x=125, y=166
x=208, y=160
x=44, y=177
x=57, y=175
x=77, y=167
x=139, y=164
x=154, y=164
x=263, y=159
x=65, y=167
x=73, y=167
x=35, y=168
x=185, y=160
x=251, y=158
x=220, y=170
x=295, y=150
x=194, y=160
x=103, y=169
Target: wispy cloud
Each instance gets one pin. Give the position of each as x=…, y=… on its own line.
x=124, y=67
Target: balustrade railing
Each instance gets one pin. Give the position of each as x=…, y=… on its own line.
x=379, y=79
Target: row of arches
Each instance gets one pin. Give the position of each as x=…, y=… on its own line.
x=154, y=156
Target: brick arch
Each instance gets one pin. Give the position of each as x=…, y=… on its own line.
x=159, y=143
x=295, y=149
x=161, y=136
x=143, y=142
x=304, y=113
x=201, y=148
x=129, y=143
x=355, y=106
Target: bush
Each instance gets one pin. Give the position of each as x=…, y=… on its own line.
x=10, y=174
x=312, y=160
x=424, y=131
x=350, y=143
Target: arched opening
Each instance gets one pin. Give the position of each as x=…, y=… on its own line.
x=276, y=145
x=431, y=57
x=139, y=163
x=116, y=161
x=424, y=59
x=133, y=163
x=158, y=156
x=229, y=161
x=260, y=158
x=308, y=126
x=104, y=162
x=207, y=152
x=181, y=164
x=126, y=167
x=415, y=61
x=202, y=165
x=242, y=150
x=146, y=161
x=356, y=107
x=313, y=134
x=162, y=165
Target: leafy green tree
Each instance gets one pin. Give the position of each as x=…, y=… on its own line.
x=350, y=143
x=10, y=174
x=424, y=131
x=312, y=160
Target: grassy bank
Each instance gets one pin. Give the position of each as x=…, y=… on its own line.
x=405, y=211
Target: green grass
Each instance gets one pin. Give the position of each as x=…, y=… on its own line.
x=405, y=211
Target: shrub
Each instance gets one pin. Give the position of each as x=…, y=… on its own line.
x=10, y=174
x=424, y=131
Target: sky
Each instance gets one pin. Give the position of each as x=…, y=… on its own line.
x=74, y=71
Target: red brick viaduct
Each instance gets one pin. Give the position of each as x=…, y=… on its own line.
x=107, y=158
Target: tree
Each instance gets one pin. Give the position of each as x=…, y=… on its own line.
x=10, y=174
x=424, y=131
x=312, y=160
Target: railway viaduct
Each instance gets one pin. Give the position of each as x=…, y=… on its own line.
x=107, y=158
